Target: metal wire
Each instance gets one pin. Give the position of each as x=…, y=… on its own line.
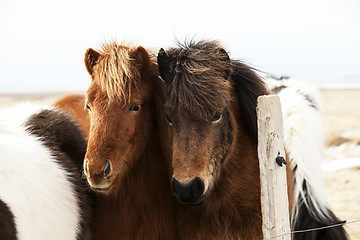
x=313, y=229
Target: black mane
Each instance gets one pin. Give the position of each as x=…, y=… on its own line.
x=249, y=86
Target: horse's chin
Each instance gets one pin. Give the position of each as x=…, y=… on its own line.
x=102, y=189
x=192, y=202
x=104, y=185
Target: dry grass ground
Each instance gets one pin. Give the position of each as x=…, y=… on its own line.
x=342, y=188
x=341, y=117
x=7, y=100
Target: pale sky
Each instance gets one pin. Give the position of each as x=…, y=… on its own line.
x=43, y=42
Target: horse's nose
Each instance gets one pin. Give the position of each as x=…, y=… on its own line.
x=107, y=168
x=188, y=193
x=86, y=168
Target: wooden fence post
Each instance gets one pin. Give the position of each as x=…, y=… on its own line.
x=274, y=197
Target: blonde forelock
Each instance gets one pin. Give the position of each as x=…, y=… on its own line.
x=116, y=71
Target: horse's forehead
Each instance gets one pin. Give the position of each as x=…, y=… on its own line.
x=197, y=105
x=92, y=92
x=136, y=93
x=194, y=114
x=200, y=91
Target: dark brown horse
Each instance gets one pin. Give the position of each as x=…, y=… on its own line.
x=128, y=159
x=211, y=108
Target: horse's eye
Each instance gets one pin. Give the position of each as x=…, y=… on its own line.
x=169, y=120
x=135, y=107
x=88, y=107
x=217, y=117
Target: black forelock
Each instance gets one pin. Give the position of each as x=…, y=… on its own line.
x=197, y=80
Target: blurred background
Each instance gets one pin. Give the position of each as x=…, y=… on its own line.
x=42, y=42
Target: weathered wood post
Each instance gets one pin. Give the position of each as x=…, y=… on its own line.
x=274, y=197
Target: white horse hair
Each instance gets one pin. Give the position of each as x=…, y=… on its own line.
x=303, y=139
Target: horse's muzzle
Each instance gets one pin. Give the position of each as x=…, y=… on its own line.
x=190, y=193
x=99, y=182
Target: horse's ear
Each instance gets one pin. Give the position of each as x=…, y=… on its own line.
x=163, y=64
x=91, y=58
x=142, y=57
x=224, y=56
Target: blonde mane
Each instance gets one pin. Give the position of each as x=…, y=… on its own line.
x=117, y=70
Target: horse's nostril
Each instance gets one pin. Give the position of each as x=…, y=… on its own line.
x=175, y=185
x=86, y=167
x=198, y=187
x=107, y=168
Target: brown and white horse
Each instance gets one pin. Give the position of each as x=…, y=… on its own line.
x=211, y=108
x=42, y=195
x=128, y=158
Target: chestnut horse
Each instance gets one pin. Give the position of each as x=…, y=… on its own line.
x=211, y=108
x=128, y=158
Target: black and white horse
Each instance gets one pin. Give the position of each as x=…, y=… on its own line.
x=303, y=137
x=41, y=191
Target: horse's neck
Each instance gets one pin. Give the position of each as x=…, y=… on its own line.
x=143, y=205
x=151, y=170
